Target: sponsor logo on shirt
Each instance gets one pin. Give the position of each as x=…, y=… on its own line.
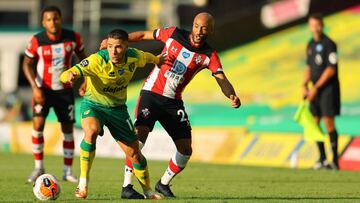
x=186, y=54
x=113, y=89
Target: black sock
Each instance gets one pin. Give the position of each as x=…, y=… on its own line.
x=334, y=145
x=321, y=151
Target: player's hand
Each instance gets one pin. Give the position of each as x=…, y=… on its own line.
x=38, y=95
x=312, y=94
x=162, y=58
x=305, y=92
x=235, y=101
x=103, y=44
x=72, y=77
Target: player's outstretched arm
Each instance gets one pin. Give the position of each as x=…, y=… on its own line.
x=141, y=35
x=133, y=37
x=70, y=75
x=227, y=89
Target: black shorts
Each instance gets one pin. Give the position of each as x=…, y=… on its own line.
x=61, y=100
x=326, y=102
x=171, y=114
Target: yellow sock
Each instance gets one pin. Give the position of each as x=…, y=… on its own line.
x=141, y=172
x=87, y=154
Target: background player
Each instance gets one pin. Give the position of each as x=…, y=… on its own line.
x=51, y=50
x=108, y=75
x=322, y=71
x=160, y=98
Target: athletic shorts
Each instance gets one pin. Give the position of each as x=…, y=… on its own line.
x=326, y=102
x=61, y=100
x=117, y=119
x=171, y=114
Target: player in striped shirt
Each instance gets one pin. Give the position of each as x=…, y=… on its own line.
x=161, y=96
x=51, y=50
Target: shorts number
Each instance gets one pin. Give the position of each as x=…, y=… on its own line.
x=181, y=113
x=71, y=112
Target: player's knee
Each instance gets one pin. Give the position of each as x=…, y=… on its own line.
x=185, y=151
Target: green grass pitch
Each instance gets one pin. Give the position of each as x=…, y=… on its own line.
x=197, y=183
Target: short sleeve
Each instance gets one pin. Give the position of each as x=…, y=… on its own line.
x=331, y=55
x=214, y=64
x=79, y=43
x=31, y=50
x=89, y=65
x=163, y=34
x=142, y=60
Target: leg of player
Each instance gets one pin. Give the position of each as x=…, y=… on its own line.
x=141, y=171
x=91, y=128
x=176, y=164
x=68, y=149
x=321, y=163
x=128, y=192
x=38, y=147
x=330, y=127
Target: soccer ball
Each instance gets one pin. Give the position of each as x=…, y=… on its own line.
x=46, y=187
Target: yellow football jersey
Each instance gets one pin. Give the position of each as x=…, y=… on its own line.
x=107, y=82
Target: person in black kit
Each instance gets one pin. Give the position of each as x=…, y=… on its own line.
x=324, y=95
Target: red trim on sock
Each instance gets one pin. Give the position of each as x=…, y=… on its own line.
x=37, y=140
x=128, y=163
x=68, y=144
x=68, y=161
x=38, y=156
x=174, y=168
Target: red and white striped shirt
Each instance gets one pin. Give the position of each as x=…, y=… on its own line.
x=183, y=62
x=53, y=57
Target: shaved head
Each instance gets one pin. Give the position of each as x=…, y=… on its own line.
x=203, y=25
x=206, y=18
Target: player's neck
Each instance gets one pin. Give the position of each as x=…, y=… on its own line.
x=53, y=36
x=317, y=38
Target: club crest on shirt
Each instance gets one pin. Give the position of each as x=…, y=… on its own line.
x=68, y=48
x=121, y=71
x=84, y=63
x=319, y=47
x=198, y=59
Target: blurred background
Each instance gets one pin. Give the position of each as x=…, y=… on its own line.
x=262, y=48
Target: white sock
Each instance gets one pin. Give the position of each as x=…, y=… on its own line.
x=82, y=183
x=39, y=164
x=177, y=162
x=128, y=173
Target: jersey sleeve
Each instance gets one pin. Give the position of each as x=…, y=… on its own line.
x=331, y=57
x=163, y=34
x=214, y=64
x=90, y=65
x=31, y=50
x=79, y=43
x=144, y=58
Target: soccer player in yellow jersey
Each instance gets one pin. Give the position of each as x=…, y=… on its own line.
x=108, y=73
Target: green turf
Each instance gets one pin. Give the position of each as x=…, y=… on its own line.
x=198, y=183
